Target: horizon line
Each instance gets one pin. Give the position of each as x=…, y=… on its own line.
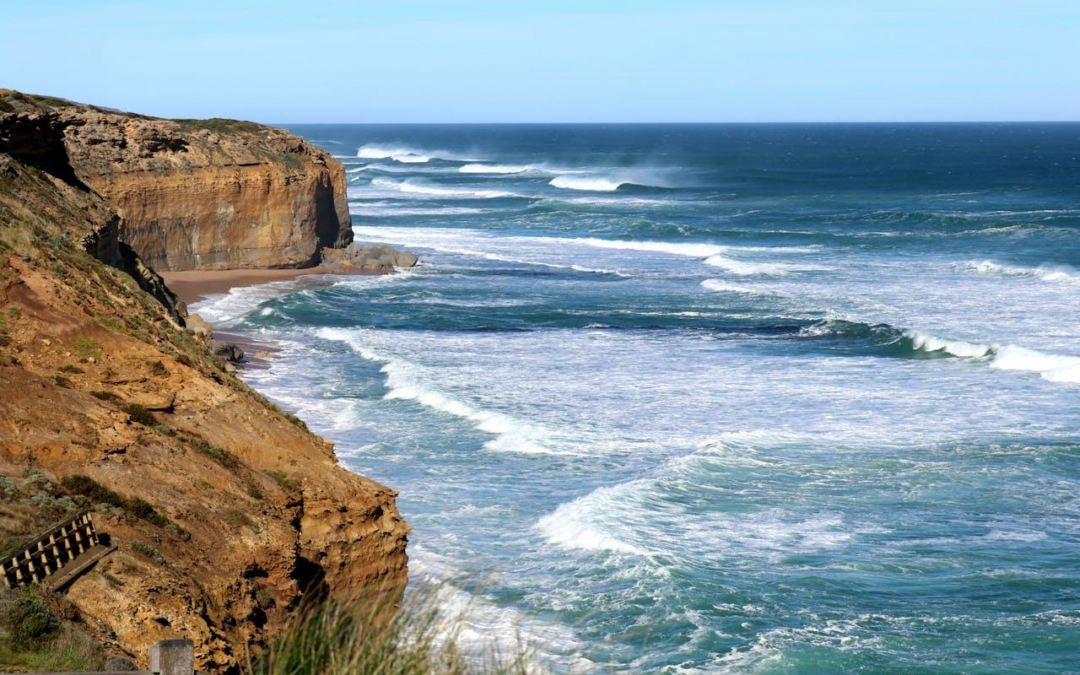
x=683, y=123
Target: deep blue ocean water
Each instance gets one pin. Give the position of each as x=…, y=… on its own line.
x=725, y=399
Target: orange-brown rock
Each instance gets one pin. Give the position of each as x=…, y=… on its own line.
x=205, y=194
x=96, y=379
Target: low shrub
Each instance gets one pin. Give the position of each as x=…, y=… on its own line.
x=139, y=414
x=218, y=454
x=144, y=510
x=148, y=551
x=296, y=421
x=281, y=479
x=91, y=489
x=28, y=621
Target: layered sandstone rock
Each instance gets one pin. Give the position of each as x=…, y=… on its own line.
x=97, y=379
x=203, y=194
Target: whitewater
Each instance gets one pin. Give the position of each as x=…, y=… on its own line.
x=713, y=399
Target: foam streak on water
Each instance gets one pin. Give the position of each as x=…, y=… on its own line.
x=699, y=399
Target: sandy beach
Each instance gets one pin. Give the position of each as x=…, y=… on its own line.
x=194, y=285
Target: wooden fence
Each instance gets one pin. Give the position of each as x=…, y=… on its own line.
x=49, y=558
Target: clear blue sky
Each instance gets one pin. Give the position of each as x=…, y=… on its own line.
x=552, y=60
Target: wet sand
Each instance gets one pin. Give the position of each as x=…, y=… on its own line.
x=194, y=285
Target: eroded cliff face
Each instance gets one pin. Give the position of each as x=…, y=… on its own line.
x=96, y=379
x=204, y=194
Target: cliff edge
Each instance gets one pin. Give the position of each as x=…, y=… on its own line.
x=201, y=194
x=225, y=510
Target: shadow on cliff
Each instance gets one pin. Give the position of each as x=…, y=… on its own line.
x=37, y=140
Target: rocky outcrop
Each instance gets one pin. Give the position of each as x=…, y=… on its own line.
x=100, y=381
x=195, y=194
x=378, y=258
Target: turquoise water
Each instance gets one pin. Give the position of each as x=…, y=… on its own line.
x=725, y=399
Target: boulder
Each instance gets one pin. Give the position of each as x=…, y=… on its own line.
x=377, y=258
x=227, y=350
x=199, y=326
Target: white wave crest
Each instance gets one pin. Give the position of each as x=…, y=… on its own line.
x=688, y=250
x=418, y=188
x=1058, y=274
x=392, y=210
x=408, y=382
x=574, y=525
x=931, y=343
x=495, y=168
x=727, y=287
x=1051, y=367
x=743, y=268
x=405, y=154
x=389, y=168
x=613, y=181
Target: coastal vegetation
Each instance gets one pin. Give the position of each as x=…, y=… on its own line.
x=335, y=638
x=34, y=635
x=224, y=510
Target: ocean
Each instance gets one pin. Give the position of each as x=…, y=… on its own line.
x=713, y=398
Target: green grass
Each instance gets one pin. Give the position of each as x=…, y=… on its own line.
x=87, y=348
x=112, y=324
x=222, y=125
x=51, y=101
x=331, y=638
x=238, y=519
x=283, y=481
x=218, y=454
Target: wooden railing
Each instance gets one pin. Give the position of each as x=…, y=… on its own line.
x=49, y=553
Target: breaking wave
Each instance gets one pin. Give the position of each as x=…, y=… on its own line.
x=405, y=154
x=383, y=210
x=1060, y=274
x=1051, y=367
x=407, y=381
x=612, y=182
x=418, y=188
x=389, y=168
x=495, y=168
x=720, y=286
x=688, y=250
x=747, y=268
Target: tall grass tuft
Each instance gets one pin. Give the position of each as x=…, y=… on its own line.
x=334, y=638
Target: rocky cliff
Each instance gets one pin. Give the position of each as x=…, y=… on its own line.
x=224, y=510
x=200, y=194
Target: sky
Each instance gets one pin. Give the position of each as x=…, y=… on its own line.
x=404, y=61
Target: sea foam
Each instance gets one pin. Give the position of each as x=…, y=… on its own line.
x=408, y=381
